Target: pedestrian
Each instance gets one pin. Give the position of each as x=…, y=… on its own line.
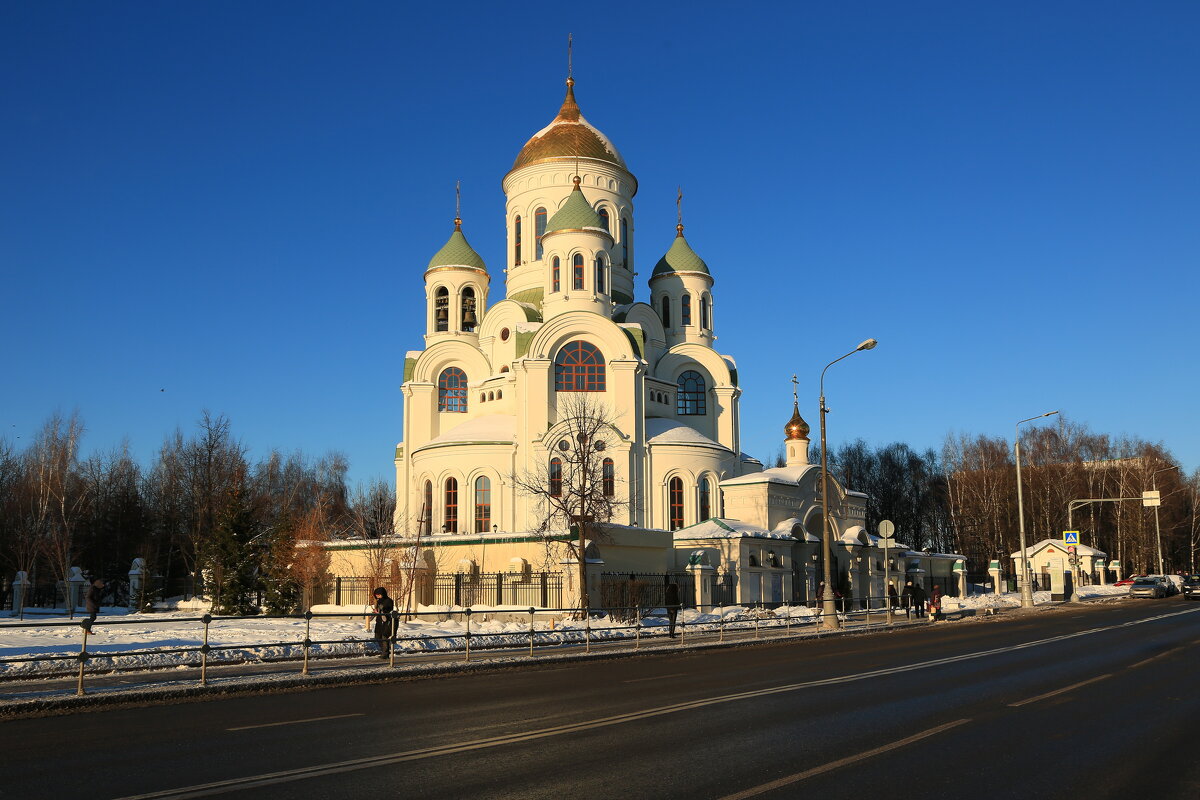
x=906, y=598
x=91, y=600
x=892, y=595
x=919, y=598
x=671, y=602
x=383, y=621
x=935, y=603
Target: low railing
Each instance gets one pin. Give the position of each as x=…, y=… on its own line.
x=621, y=625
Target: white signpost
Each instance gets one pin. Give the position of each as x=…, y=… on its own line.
x=887, y=530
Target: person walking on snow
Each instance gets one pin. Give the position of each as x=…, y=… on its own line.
x=907, y=597
x=91, y=600
x=383, y=609
x=919, y=598
x=671, y=602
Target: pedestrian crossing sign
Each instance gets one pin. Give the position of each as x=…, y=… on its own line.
x=1071, y=537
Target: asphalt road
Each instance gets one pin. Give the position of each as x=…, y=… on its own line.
x=1097, y=701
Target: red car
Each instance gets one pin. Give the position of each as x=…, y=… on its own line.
x=1128, y=580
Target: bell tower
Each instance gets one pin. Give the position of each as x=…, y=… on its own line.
x=456, y=289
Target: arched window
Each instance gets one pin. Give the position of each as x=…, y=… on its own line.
x=556, y=477
x=483, y=504
x=705, y=322
x=450, y=518
x=666, y=312
x=441, y=309
x=705, y=500
x=577, y=271
x=539, y=229
x=427, y=510
x=675, y=503
x=452, y=390
x=579, y=367
x=690, y=399
x=625, y=243
x=517, y=241
x=554, y=276
x=686, y=312
x=468, y=310
x=604, y=220
x=608, y=477
x=600, y=275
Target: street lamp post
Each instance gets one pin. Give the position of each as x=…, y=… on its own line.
x=1157, y=532
x=829, y=617
x=1026, y=589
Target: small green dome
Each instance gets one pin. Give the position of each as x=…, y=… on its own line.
x=576, y=214
x=456, y=252
x=680, y=258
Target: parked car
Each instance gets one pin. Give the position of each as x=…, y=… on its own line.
x=1191, y=587
x=1148, y=587
x=1128, y=581
x=1172, y=583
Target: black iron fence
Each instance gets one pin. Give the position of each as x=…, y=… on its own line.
x=533, y=590
x=644, y=591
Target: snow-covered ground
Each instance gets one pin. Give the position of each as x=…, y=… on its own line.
x=132, y=641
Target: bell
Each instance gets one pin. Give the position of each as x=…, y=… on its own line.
x=441, y=314
x=469, y=319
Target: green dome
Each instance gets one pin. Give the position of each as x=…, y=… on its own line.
x=680, y=258
x=576, y=214
x=456, y=252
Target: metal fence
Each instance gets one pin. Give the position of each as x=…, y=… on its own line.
x=645, y=591
x=533, y=590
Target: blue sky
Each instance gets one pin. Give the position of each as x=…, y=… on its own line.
x=230, y=205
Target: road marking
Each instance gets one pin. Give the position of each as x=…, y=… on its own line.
x=1164, y=654
x=317, y=770
x=293, y=722
x=656, y=678
x=1029, y=700
x=841, y=762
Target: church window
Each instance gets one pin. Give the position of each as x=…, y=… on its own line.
x=685, y=313
x=705, y=499
x=441, y=309
x=753, y=559
x=491, y=395
x=604, y=220
x=499, y=395
x=452, y=390
x=666, y=312
x=483, y=504
x=556, y=477
x=772, y=559
x=625, y=242
x=675, y=504
x=427, y=511
x=705, y=322
x=539, y=229
x=579, y=367
x=599, y=275
x=607, y=477
x=577, y=271
x=504, y=334
x=468, y=310
x=690, y=399
x=451, y=516
x=555, y=279
x=517, y=241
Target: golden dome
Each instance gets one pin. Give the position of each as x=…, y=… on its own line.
x=568, y=136
x=796, y=427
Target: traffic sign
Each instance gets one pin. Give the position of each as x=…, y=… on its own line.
x=1151, y=499
x=1071, y=549
x=1071, y=537
x=886, y=528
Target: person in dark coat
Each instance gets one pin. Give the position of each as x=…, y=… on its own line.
x=892, y=601
x=383, y=608
x=935, y=603
x=907, y=598
x=671, y=602
x=91, y=600
x=919, y=598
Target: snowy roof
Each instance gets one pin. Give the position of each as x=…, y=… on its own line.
x=493, y=428
x=716, y=528
x=669, y=431
x=786, y=475
x=1081, y=549
x=790, y=524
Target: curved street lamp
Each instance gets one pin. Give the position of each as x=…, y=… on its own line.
x=1026, y=588
x=829, y=617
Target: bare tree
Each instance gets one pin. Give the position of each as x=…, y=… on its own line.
x=571, y=487
x=58, y=494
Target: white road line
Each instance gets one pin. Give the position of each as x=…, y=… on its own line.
x=293, y=722
x=656, y=678
x=285, y=776
x=841, y=762
x=1073, y=686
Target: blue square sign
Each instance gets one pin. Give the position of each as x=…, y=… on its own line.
x=1071, y=537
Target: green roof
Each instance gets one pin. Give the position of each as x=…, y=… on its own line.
x=575, y=214
x=680, y=258
x=457, y=253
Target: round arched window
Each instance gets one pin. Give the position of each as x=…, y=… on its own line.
x=579, y=367
x=504, y=334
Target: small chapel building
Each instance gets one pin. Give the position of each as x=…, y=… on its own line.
x=485, y=404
